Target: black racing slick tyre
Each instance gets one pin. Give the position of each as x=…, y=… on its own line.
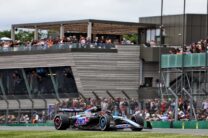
x=104, y=122
x=61, y=122
x=139, y=120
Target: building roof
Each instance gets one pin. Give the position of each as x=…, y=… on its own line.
x=98, y=26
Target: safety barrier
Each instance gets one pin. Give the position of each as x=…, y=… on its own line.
x=180, y=124
x=48, y=123
x=155, y=124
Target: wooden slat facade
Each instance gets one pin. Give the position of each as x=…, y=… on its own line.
x=92, y=71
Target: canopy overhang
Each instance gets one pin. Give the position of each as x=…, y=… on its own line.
x=98, y=26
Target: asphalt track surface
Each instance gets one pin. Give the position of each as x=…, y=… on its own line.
x=154, y=130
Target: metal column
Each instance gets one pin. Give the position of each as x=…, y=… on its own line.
x=36, y=33
x=167, y=82
x=5, y=99
x=89, y=30
x=126, y=95
x=26, y=83
x=19, y=110
x=13, y=33
x=110, y=95
x=96, y=96
x=61, y=31
x=176, y=104
x=83, y=97
x=141, y=73
x=28, y=88
x=161, y=25
x=192, y=110
x=54, y=84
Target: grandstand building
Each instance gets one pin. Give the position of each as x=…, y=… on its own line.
x=32, y=78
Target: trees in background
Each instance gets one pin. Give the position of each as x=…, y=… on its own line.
x=20, y=35
x=131, y=37
x=5, y=33
x=24, y=36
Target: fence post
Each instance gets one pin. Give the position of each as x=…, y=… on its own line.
x=183, y=125
x=110, y=95
x=197, y=125
x=96, y=96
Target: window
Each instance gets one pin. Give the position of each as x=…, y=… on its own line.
x=148, y=81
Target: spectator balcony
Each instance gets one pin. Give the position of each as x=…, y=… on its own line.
x=190, y=60
x=151, y=54
x=58, y=48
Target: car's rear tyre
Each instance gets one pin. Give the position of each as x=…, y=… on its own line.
x=139, y=120
x=61, y=122
x=104, y=122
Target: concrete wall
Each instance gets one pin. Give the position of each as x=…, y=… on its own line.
x=195, y=27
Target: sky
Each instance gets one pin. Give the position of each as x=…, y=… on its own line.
x=33, y=11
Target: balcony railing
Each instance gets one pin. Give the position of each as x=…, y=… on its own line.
x=66, y=47
x=190, y=60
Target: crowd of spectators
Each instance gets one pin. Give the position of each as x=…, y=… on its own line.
x=11, y=118
x=82, y=42
x=197, y=47
x=151, y=109
x=25, y=118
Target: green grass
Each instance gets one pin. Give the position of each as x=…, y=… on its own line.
x=85, y=134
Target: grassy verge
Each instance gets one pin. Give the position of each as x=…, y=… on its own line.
x=95, y=134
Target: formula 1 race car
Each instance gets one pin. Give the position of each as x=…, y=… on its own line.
x=94, y=118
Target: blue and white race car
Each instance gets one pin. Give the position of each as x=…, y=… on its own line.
x=94, y=118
